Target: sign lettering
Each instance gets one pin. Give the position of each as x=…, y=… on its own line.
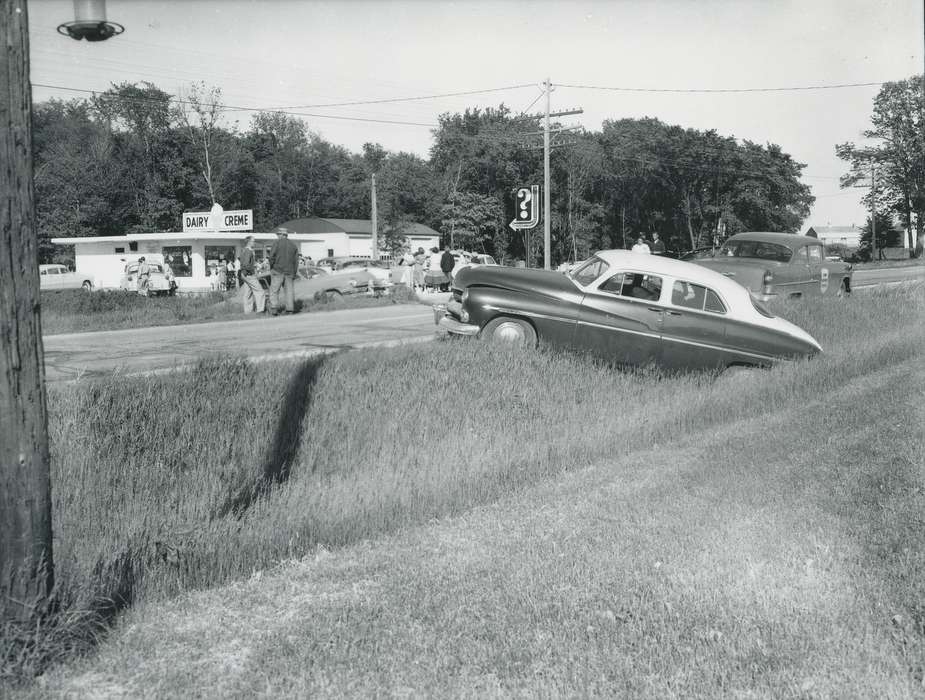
x=199, y=221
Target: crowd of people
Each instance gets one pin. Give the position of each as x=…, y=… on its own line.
x=428, y=271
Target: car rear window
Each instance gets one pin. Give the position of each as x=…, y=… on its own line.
x=756, y=249
x=760, y=307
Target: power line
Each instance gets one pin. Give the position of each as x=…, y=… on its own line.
x=408, y=99
x=721, y=90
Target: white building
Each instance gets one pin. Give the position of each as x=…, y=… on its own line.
x=848, y=236
x=194, y=256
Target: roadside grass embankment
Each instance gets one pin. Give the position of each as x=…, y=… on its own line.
x=77, y=311
x=171, y=483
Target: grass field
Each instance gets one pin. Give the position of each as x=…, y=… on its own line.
x=546, y=525
x=77, y=311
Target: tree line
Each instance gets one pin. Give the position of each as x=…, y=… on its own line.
x=133, y=158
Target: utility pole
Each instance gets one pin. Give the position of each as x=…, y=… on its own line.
x=26, y=571
x=374, y=240
x=547, y=237
x=873, y=208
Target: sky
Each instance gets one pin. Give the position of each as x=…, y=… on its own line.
x=614, y=60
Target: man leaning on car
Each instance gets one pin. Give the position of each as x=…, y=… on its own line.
x=284, y=265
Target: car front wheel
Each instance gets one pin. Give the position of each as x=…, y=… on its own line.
x=510, y=331
x=87, y=286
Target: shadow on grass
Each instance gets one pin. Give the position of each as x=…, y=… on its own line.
x=285, y=443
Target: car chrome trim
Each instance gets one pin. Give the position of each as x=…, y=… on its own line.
x=722, y=348
x=451, y=325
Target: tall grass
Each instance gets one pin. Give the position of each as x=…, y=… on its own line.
x=188, y=480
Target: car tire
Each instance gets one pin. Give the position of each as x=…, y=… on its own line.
x=87, y=286
x=333, y=295
x=844, y=289
x=505, y=330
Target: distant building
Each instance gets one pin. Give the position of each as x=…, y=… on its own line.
x=848, y=236
x=194, y=256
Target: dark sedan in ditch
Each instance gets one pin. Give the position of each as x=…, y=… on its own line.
x=627, y=308
x=780, y=265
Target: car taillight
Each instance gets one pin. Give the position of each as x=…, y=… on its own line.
x=766, y=281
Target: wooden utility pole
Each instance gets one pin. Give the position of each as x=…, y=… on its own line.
x=374, y=240
x=547, y=233
x=26, y=576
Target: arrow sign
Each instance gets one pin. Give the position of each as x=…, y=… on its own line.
x=528, y=216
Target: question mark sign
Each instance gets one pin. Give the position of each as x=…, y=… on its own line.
x=525, y=194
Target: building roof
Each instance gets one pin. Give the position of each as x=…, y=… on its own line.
x=350, y=227
x=177, y=236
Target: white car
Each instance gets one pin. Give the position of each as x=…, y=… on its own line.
x=472, y=260
x=59, y=277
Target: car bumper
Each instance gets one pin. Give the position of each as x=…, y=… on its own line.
x=449, y=324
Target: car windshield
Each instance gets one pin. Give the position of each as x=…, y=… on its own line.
x=589, y=271
x=756, y=249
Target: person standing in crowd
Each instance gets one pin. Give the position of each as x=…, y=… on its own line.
x=284, y=265
x=641, y=246
x=658, y=248
x=419, y=259
x=144, y=275
x=253, y=293
x=447, y=263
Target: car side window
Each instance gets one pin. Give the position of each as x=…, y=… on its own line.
x=800, y=256
x=43, y=272
x=694, y=296
x=634, y=285
x=713, y=303
x=815, y=253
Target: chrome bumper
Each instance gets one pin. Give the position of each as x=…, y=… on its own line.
x=449, y=324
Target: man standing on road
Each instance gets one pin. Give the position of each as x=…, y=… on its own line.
x=447, y=263
x=252, y=292
x=284, y=264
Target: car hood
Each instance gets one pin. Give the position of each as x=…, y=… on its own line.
x=513, y=278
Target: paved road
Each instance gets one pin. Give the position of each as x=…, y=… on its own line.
x=887, y=275
x=74, y=355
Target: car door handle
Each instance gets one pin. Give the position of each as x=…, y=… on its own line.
x=673, y=313
x=655, y=309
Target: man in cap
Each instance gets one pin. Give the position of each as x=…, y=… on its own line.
x=253, y=294
x=284, y=265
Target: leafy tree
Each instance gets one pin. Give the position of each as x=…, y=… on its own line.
x=898, y=123
x=198, y=114
x=151, y=170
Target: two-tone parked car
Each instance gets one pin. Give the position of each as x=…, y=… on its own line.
x=55, y=277
x=158, y=282
x=780, y=265
x=627, y=308
x=311, y=281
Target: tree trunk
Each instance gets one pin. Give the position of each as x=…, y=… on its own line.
x=25, y=486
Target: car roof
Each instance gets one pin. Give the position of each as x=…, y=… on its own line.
x=787, y=239
x=669, y=267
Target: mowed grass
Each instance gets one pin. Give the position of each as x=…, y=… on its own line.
x=77, y=311
x=579, y=530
